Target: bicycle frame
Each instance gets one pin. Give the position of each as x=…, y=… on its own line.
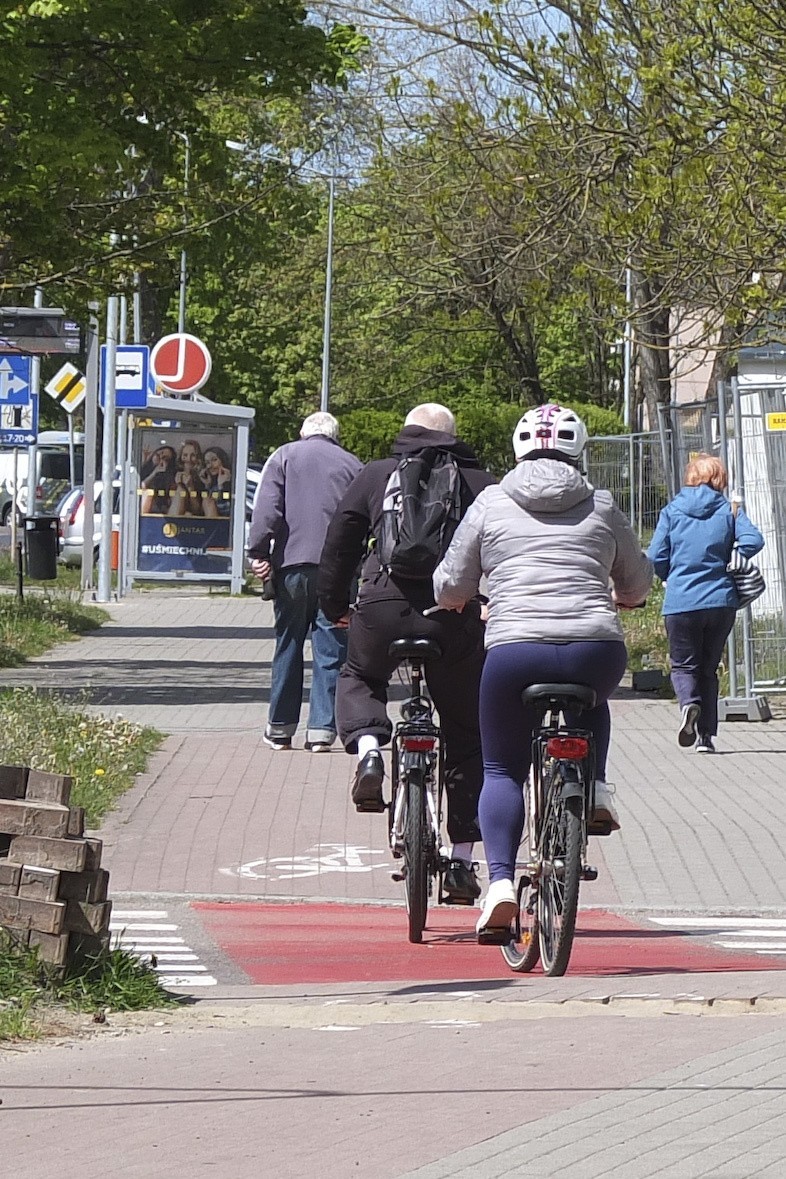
x=417, y=745
x=539, y=803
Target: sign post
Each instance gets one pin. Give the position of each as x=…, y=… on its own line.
x=108, y=378
x=91, y=439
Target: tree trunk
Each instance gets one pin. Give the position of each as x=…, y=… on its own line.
x=652, y=325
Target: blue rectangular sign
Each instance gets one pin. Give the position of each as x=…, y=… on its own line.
x=19, y=424
x=15, y=380
x=132, y=376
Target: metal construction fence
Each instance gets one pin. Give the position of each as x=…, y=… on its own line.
x=632, y=468
x=740, y=428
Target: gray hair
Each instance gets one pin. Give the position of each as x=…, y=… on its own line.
x=433, y=416
x=320, y=423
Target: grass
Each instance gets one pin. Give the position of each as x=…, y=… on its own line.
x=645, y=634
x=31, y=625
x=31, y=992
x=68, y=578
x=102, y=754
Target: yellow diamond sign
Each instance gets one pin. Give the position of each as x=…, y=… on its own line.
x=68, y=386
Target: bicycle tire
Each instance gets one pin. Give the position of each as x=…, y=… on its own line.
x=522, y=954
x=416, y=855
x=558, y=895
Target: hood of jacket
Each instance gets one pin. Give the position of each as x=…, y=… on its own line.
x=699, y=502
x=546, y=485
x=413, y=439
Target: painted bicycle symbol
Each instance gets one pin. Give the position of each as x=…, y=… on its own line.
x=325, y=857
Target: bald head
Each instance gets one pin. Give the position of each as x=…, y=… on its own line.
x=432, y=416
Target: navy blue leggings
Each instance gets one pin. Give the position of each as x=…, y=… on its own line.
x=506, y=729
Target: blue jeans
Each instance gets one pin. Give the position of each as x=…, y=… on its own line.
x=297, y=614
x=696, y=642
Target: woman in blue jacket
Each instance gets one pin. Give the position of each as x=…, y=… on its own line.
x=690, y=551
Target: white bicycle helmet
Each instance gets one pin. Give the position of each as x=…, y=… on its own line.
x=549, y=427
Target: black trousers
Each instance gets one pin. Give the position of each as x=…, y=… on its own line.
x=453, y=681
x=696, y=642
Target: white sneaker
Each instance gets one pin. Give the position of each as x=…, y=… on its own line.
x=605, y=810
x=500, y=906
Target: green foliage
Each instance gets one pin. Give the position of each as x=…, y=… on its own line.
x=102, y=754
x=77, y=162
x=369, y=433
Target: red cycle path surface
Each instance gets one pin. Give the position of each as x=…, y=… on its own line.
x=364, y=943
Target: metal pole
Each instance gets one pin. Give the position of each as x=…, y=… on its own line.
x=723, y=441
x=91, y=434
x=108, y=455
x=324, y=398
x=627, y=356
x=181, y=312
x=739, y=454
x=15, y=478
x=137, y=314
x=35, y=389
x=71, y=451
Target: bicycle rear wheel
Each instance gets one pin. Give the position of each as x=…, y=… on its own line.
x=558, y=896
x=523, y=951
x=416, y=854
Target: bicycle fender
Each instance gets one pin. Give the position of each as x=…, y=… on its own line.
x=572, y=785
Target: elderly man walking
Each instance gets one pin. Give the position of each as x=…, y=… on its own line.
x=301, y=486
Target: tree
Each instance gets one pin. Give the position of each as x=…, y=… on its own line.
x=96, y=97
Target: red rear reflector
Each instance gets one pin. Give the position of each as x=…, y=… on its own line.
x=571, y=748
x=77, y=505
x=418, y=744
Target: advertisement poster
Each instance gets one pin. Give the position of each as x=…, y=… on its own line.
x=185, y=501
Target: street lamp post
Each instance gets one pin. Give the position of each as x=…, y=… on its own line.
x=325, y=390
x=181, y=311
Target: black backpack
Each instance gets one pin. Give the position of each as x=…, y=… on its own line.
x=421, y=510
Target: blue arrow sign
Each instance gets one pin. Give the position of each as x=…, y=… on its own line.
x=132, y=369
x=15, y=380
x=17, y=438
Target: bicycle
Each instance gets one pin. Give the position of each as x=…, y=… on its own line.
x=560, y=803
x=417, y=787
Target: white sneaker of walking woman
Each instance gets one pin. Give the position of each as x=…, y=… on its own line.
x=500, y=906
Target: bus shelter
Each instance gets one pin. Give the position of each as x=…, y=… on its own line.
x=182, y=495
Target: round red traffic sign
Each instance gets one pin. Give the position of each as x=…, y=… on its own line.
x=180, y=363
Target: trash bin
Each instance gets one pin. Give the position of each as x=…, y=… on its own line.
x=41, y=543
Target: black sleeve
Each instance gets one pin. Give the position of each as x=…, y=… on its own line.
x=344, y=548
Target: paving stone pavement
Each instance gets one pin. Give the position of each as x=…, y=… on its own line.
x=401, y=1094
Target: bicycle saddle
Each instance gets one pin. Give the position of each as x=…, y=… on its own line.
x=401, y=649
x=570, y=694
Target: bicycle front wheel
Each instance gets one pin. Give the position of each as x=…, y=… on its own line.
x=523, y=951
x=558, y=896
x=416, y=854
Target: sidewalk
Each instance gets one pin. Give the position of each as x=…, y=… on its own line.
x=673, y=1070
x=222, y=815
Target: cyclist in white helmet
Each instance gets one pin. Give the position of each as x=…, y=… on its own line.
x=559, y=556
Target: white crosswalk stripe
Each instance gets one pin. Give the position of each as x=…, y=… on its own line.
x=152, y=938
x=760, y=935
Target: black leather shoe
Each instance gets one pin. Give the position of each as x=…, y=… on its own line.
x=460, y=883
x=367, y=787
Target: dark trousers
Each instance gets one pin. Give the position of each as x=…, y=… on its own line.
x=696, y=642
x=453, y=681
x=507, y=726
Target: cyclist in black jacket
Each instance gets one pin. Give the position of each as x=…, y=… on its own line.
x=391, y=608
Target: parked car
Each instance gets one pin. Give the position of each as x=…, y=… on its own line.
x=71, y=511
x=6, y=504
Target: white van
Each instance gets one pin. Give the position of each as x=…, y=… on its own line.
x=53, y=474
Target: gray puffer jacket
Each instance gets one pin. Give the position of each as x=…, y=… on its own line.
x=549, y=545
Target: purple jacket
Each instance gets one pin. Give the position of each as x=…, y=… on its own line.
x=301, y=486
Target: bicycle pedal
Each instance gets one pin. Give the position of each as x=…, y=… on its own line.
x=398, y=876
x=448, y=900
x=495, y=936
x=603, y=828
x=371, y=808
x=588, y=873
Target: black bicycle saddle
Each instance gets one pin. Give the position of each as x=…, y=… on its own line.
x=424, y=649
x=559, y=694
